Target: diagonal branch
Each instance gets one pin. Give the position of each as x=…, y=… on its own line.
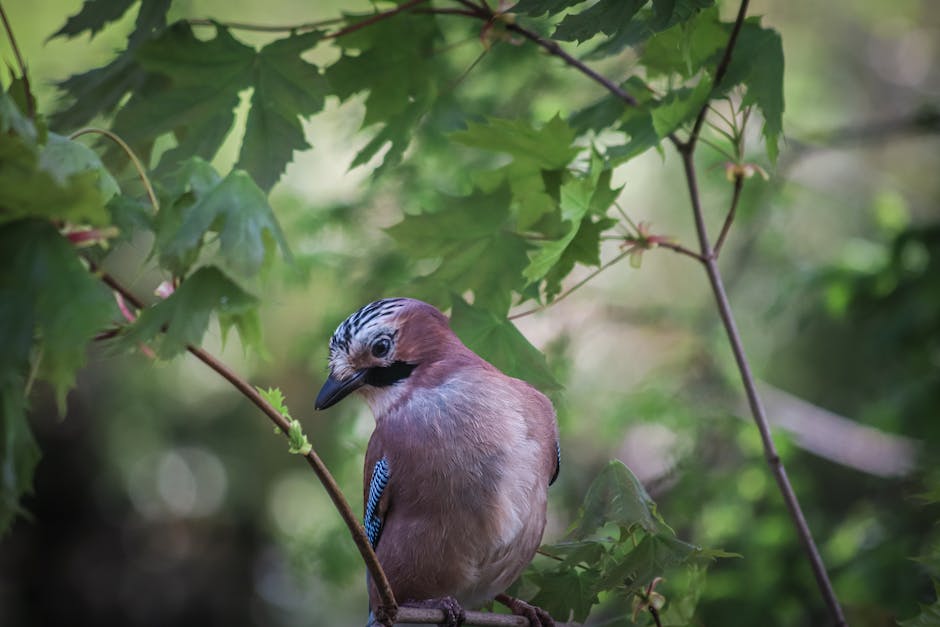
x=721, y=70
x=329, y=483
x=30, y=102
x=686, y=150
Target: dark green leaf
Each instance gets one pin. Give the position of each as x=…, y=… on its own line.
x=651, y=558
x=549, y=147
x=606, y=16
x=182, y=319
x=538, y=7
x=616, y=496
x=687, y=48
x=565, y=592
x=19, y=453
x=638, y=125
x=102, y=89
x=45, y=288
x=929, y=614
x=93, y=16
x=477, y=251
x=233, y=207
x=399, y=78
x=198, y=98
x=757, y=62
x=287, y=88
x=498, y=341
x=649, y=21
x=63, y=179
x=679, y=107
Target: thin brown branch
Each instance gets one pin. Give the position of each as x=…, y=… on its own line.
x=655, y=614
x=378, y=17
x=553, y=48
x=141, y=172
x=777, y=468
x=266, y=28
x=30, y=103
x=757, y=409
x=721, y=70
x=575, y=287
x=729, y=219
x=329, y=483
x=682, y=250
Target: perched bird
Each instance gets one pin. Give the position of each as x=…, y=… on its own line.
x=458, y=467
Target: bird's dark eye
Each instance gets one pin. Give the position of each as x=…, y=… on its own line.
x=381, y=347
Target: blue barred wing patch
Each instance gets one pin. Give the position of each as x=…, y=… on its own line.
x=372, y=521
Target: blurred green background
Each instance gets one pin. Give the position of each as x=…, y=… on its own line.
x=164, y=499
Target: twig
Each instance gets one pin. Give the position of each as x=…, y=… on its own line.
x=553, y=48
x=655, y=614
x=372, y=19
x=686, y=150
x=141, y=172
x=266, y=28
x=30, y=103
x=679, y=248
x=721, y=71
x=573, y=288
x=329, y=483
x=735, y=196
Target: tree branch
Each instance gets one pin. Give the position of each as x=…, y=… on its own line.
x=686, y=151
x=329, y=483
x=721, y=70
x=378, y=17
x=30, y=103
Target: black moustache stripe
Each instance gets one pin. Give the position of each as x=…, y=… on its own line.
x=382, y=377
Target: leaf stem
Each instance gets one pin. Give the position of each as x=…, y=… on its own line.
x=30, y=102
x=141, y=172
x=735, y=196
x=575, y=287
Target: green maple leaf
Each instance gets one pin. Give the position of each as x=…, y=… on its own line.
x=233, y=206
x=477, y=251
x=47, y=293
x=497, y=340
x=538, y=7
x=182, y=319
x=197, y=97
x=93, y=16
x=648, y=21
x=286, y=89
x=60, y=178
x=757, y=63
x=606, y=16
x=680, y=106
x=549, y=147
x=616, y=496
x=580, y=198
x=102, y=89
x=398, y=77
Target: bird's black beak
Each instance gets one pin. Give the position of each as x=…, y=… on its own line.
x=334, y=390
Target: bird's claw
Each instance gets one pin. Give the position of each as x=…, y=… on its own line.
x=536, y=615
x=454, y=615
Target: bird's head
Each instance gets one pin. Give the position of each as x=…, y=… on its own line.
x=381, y=345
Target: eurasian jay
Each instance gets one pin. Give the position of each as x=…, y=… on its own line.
x=458, y=467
